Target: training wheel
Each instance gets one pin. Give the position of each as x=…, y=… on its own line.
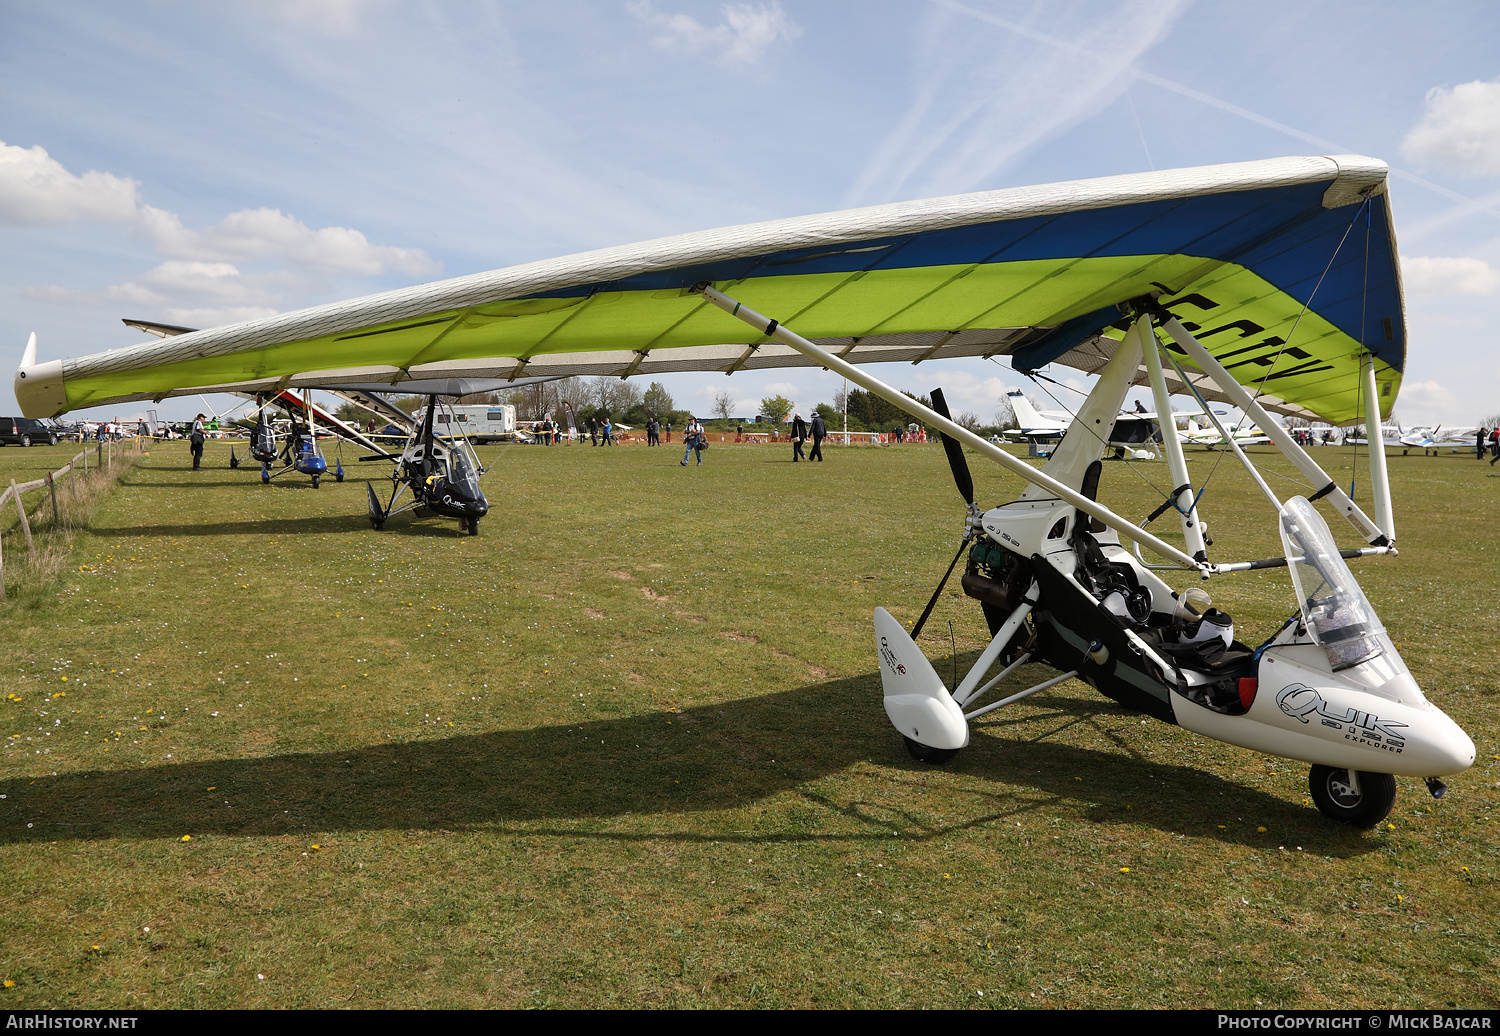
x=1336, y=798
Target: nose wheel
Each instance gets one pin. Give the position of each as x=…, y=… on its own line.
x=1352, y=797
x=927, y=754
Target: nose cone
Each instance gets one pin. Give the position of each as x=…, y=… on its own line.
x=1452, y=750
x=1435, y=747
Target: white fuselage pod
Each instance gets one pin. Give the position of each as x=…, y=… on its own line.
x=918, y=704
x=1352, y=719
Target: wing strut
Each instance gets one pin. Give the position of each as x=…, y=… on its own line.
x=1182, y=493
x=773, y=329
x=1310, y=469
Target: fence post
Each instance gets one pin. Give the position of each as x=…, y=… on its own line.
x=25, y=524
x=2, y=553
x=52, y=487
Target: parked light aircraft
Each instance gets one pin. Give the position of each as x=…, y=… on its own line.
x=1199, y=435
x=1242, y=283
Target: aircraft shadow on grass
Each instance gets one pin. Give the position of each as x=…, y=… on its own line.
x=298, y=526
x=550, y=780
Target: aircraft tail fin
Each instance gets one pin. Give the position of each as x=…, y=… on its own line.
x=916, y=700
x=28, y=358
x=1025, y=413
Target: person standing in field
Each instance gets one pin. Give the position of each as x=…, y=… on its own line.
x=195, y=442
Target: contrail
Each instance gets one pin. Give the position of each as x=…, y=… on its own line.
x=1327, y=146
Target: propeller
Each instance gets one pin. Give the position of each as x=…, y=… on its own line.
x=965, y=482
x=955, y=451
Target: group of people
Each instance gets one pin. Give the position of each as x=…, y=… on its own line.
x=601, y=427
x=1487, y=437
x=653, y=432
x=801, y=432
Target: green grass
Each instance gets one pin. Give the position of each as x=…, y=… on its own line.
x=625, y=748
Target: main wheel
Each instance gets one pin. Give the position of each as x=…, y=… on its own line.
x=1336, y=797
x=473, y=526
x=315, y=481
x=926, y=753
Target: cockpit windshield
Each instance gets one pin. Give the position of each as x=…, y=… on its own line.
x=1334, y=608
x=461, y=471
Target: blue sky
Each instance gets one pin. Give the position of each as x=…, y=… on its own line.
x=204, y=163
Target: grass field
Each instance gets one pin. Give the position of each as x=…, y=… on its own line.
x=626, y=748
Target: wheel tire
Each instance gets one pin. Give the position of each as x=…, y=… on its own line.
x=315, y=481
x=52, y=440
x=473, y=525
x=25, y=440
x=927, y=754
x=339, y=477
x=1330, y=793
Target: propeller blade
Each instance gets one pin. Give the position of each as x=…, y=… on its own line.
x=917, y=629
x=956, y=460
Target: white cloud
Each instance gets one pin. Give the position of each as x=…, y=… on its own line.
x=1448, y=275
x=1428, y=401
x=258, y=233
x=1459, y=131
x=36, y=190
x=742, y=38
x=188, y=292
x=962, y=390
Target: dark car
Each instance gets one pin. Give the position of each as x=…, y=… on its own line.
x=26, y=431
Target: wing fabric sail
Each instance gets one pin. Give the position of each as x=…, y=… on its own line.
x=1285, y=269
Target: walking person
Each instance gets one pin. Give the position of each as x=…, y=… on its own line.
x=799, y=435
x=819, y=433
x=692, y=436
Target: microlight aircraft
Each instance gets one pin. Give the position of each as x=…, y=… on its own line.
x=1273, y=286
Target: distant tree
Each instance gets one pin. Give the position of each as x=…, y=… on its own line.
x=724, y=405
x=658, y=400
x=612, y=395
x=349, y=413
x=966, y=419
x=776, y=408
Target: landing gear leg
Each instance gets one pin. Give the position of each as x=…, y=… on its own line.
x=1352, y=797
